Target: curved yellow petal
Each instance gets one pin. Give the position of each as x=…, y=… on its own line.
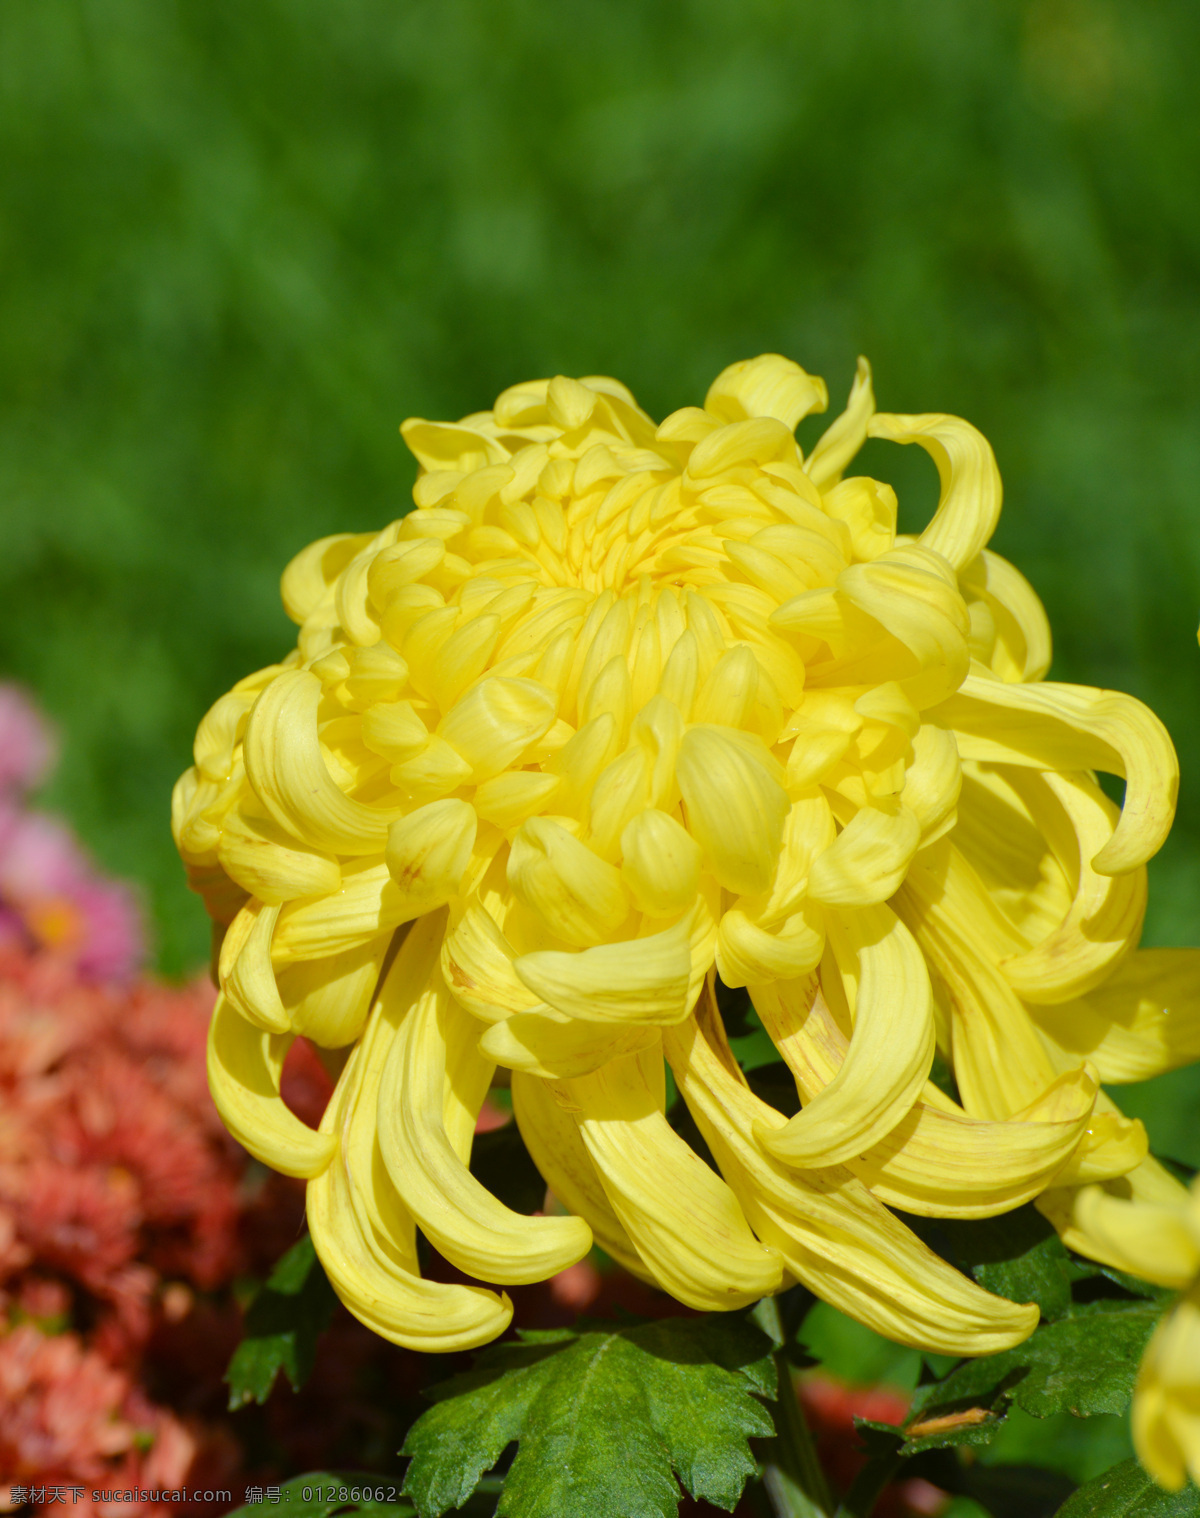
x=1141, y=1022
x=245, y=972
x=477, y=963
x=660, y=862
x=808, y=831
x=937, y=1161
x=1000, y=1063
x=833, y=1235
x=364, y=1239
x=1166, y=1399
x=384, y=1293
x=245, y=1064
x=769, y=385
x=933, y=783
x=578, y=895
x=910, y=593
x=1022, y=648
x=755, y=440
x=997, y=835
x=1112, y=1146
x=458, y=1215
x=350, y=601
x=868, y=510
x=1105, y=919
x=553, y=1046
x=496, y=721
x=940, y=1164
x=288, y=774
x=552, y=1137
x=1145, y=1239
x=447, y=445
x=868, y=859
x=428, y=853
x=748, y=954
x=509, y=798
x=684, y=1221
x=736, y=809
x=327, y=1000
x=394, y=731
x=269, y=863
x=969, y=507
x=310, y=576
x=842, y=439
x=1073, y=727
x=890, y=1052
x=641, y=980
x=368, y=903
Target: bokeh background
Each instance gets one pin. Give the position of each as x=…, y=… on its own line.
x=239, y=243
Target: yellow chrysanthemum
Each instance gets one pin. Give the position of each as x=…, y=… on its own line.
x=618, y=703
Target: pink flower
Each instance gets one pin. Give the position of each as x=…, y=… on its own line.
x=63, y=903
x=27, y=746
x=51, y=894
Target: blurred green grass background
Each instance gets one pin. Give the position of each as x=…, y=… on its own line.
x=239, y=243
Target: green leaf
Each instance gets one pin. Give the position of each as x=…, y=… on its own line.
x=283, y=1324
x=1127, y=1491
x=1022, y=1258
x=968, y=1432
x=1083, y=1364
x=320, y=1493
x=605, y=1421
x=1017, y=1255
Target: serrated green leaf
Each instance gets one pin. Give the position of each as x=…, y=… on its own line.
x=1021, y=1257
x=319, y=1493
x=1083, y=1364
x=608, y=1423
x=283, y=1324
x=1127, y=1491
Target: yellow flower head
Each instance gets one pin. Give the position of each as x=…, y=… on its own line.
x=620, y=703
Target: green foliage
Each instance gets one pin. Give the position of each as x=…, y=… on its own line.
x=1082, y=1359
x=1078, y=1448
x=1084, y=1364
x=1017, y=1255
x=852, y=1352
x=1080, y=1363
x=1127, y=1492
x=608, y=1423
x=283, y=1323
x=318, y=1494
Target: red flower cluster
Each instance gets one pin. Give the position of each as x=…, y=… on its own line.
x=119, y=1196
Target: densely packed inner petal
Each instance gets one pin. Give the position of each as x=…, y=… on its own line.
x=618, y=708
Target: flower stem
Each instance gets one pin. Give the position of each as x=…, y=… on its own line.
x=792, y=1476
